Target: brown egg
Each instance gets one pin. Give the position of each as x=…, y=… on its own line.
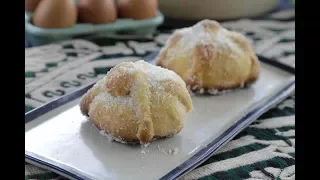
x=137, y=9
x=55, y=14
x=97, y=11
x=30, y=5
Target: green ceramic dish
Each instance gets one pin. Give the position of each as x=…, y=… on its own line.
x=39, y=36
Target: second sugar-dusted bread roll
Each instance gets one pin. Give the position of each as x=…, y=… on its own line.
x=210, y=58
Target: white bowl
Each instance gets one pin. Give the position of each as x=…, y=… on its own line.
x=215, y=9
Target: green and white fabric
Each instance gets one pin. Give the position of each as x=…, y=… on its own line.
x=265, y=150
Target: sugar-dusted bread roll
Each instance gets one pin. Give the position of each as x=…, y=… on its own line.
x=138, y=102
x=210, y=58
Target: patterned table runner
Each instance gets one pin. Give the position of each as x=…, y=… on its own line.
x=265, y=150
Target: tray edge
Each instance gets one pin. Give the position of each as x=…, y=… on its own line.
x=208, y=151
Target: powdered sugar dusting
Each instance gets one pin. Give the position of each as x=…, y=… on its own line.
x=193, y=90
x=107, y=97
x=111, y=138
x=158, y=74
x=111, y=103
x=198, y=34
x=145, y=144
x=193, y=35
x=171, y=151
x=213, y=91
x=142, y=152
x=223, y=43
x=218, y=92
x=162, y=149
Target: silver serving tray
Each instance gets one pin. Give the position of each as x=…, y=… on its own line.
x=59, y=138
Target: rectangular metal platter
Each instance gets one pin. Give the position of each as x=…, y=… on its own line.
x=59, y=138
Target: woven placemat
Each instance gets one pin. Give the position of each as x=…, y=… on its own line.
x=265, y=150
